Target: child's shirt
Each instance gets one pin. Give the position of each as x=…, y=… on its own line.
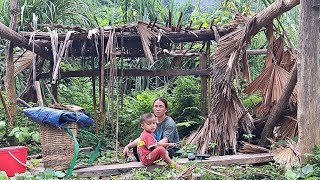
x=145, y=145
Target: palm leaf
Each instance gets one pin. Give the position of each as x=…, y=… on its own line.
x=288, y=128
x=287, y=157
x=270, y=83
x=227, y=112
x=146, y=35
x=23, y=61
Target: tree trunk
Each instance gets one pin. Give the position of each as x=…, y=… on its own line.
x=278, y=108
x=9, y=79
x=277, y=8
x=308, y=78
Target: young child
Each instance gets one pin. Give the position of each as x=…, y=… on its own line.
x=148, y=148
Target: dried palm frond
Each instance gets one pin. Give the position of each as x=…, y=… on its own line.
x=249, y=148
x=230, y=114
x=239, y=19
x=226, y=109
x=111, y=45
x=202, y=137
x=270, y=83
x=111, y=56
x=287, y=60
x=146, y=35
x=288, y=128
x=262, y=109
x=278, y=48
x=54, y=46
x=287, y=156
x=59, y=54
x=270, y=39
x=227, y=112
x=222, y=127
x=23, y=61
x=245, y=68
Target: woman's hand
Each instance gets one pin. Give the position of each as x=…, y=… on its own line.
x=172, y=144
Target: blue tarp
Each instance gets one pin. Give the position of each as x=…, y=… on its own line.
x=58, y=118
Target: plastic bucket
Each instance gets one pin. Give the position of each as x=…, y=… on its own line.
x=13, y=159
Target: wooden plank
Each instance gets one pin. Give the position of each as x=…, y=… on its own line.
x=131, y=72
x=116, y=169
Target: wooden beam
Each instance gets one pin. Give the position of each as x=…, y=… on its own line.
x=117, y=169
x=21, y=41
x=256, y=51
x=131, y=72
x=176, y=37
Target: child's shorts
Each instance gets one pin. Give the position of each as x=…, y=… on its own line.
x=158, y=153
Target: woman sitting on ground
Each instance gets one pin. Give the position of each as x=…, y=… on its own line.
x=166, y=131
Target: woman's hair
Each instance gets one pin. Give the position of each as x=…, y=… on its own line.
x=164, y=102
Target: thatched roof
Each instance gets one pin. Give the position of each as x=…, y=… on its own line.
x=135, y=38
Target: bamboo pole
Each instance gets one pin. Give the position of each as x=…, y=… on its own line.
x=9, y=79
x=6, y=109
x=37, y=87
x=102, y=88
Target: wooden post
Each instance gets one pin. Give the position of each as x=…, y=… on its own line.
x=49, y=91
x=6, y=109
x=308, y=78
x=93, y=78
x=37, y=87
x=9, y=79
x=54, y=87
x=204, y=91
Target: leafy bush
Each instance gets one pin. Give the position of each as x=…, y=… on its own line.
x=46, y=174
x=2, y=129
x=24, y=133
x=310, y=171
x=186, y=103
x=250, y=101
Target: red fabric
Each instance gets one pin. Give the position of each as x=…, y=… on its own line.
x=148, y=149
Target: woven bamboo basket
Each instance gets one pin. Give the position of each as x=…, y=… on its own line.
x=57, y=146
